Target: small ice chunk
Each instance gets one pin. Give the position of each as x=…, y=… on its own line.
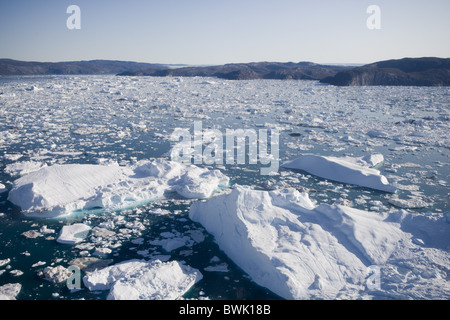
x=31, y=234
x=101, y=252
x=56, y=274
x=38, y=264
x=344, y=169
x=16, y=272
x=73, y=234
x=3, y=188
x=172, y=243
x=4, y=262
x=411, y=203
x=377, y=134
x=46, y=230
x=221, y=267
x=143, y=280
x=10, y=291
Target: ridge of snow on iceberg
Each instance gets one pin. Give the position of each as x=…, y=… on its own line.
x=349, y=170
x=61, y=189
x=143, y=280
x=296, y=250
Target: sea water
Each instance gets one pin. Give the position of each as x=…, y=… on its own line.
x=92, y=119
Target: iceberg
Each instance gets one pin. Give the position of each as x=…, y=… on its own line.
x=351, y=170
x=73, y=234
x=293, y=248
x=9, y=291
x=143, y=280
x=59, y=190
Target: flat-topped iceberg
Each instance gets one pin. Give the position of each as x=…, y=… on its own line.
x=351, y=170
x=62, y=189
x=73, y=234
x=144, y=280
x=293, y=248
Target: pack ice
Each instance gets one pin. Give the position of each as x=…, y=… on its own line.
x=59, y=190
x=143, y=280
x=351, y=170
x=296, y=249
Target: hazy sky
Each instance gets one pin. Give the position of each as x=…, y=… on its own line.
x=223, y=31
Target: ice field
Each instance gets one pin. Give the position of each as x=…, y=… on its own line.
x=358, y=208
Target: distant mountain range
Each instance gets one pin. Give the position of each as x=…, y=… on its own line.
x=15, y=67
x=249, y=71
x=404, y=72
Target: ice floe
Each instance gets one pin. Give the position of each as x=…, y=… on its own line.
x=56, y=274
x=143, y=280
x=73, y=234
x=62, y=189
x=302, y=251
x=10, y=291
x=410, y=203
x=349, y=170
x=23, y=168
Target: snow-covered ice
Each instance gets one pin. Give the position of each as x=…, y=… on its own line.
x=73, y=234
x=344, y=169
x=56, y=274
x=59, y=190
x=144, y=280
x=23, y=168
x=9, y=291
x=296, y=249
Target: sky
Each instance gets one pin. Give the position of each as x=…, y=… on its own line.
x=208, y=32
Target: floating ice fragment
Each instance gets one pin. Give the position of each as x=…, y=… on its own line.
x=345, y=169
x=101, y=252
x=16, y=273
x=9, y=291
x=56, y=274
x=31, y=234
x=4, y=262
x=377, y=134
x=143, y=280
x=411, y=203
x=73, y=234
x=221, y=267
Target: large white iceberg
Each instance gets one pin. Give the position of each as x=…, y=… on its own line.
x=61, y=189
x=357, y=171
x=143, y=280
x=293, y=248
